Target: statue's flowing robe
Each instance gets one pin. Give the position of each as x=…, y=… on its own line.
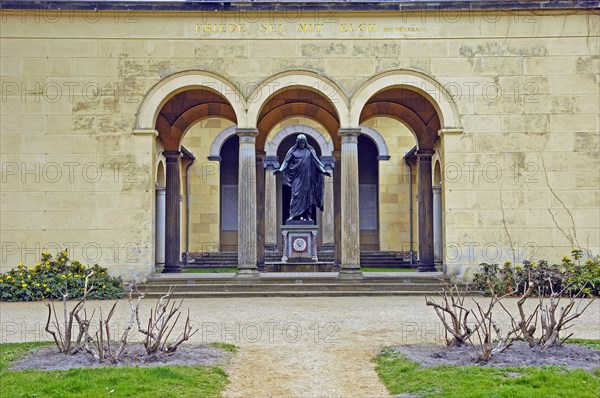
x=303, y=173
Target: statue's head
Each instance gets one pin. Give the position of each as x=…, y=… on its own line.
x=301, y=141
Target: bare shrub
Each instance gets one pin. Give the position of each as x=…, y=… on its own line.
x=555, y=318
x=548, y=317
x=62, y=335
x=160, y=324
x=486, y=329
x=453, y=314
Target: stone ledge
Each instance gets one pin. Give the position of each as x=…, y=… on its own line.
x=332, y=5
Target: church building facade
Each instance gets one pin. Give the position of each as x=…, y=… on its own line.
x=141, y=134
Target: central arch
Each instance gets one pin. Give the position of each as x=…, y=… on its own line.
x=308, y=80
x=325, y=145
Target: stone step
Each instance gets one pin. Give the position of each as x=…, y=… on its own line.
x=368, y=258
x=327, y=293
x=305, y=278
x=180, y=282
x=295, y=284
x=292, y=287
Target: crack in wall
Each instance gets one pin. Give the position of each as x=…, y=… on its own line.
x=573, y=239
x=512, y=246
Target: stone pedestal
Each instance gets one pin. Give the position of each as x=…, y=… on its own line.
x=299, y=242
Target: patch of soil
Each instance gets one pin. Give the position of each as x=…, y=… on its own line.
x=571, y=356
x=134, y=355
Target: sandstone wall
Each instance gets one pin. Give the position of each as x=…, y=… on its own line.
x=521, y=179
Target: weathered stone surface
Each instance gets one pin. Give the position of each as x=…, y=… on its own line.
x=524, y=86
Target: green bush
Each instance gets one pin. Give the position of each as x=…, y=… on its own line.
x=52, y=277
x=571, y=275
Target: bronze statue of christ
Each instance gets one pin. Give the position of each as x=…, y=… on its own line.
x=303, y=172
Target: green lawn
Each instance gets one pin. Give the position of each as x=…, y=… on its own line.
x=209, y=270
x=162, y=381
x=401, y=375
x=228, y=270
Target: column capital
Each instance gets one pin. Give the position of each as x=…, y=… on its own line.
x=246, y=132
x=328, y=162
x=349, y=135
x=450, y=131
x=271, y=162
x=215, y=158
x=425, y=154
x=150, y=132
x=172, y=156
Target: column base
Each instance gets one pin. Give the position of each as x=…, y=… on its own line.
x=247, y=273
x=328, y=247
x=350, y=273
x=172, y=269
x=426, y=268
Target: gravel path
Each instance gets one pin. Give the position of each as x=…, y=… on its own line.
x=293, y=347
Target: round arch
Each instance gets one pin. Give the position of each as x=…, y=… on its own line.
x=437, y=168
x=160, y=176
x=326, y=146
x=377, y=138
x=217, y=144
x=413, y=80
x=310, y=80
x=174, y=84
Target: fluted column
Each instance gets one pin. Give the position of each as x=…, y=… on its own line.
x=260, y=210
x=172, y=212
x=350, y=265
x=160, y=227
x=437, y=224
x=327, y=229
x=337, y=207
x=247, y=203
x=426, y=263
x=271, y=163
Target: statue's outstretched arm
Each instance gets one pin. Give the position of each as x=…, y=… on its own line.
x=285, y=161
x=319, y=163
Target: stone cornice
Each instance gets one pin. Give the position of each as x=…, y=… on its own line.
x=333, y=5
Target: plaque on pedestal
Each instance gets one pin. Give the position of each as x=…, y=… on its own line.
x=299, y=241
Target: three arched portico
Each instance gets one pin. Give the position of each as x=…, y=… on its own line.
x=347, y=114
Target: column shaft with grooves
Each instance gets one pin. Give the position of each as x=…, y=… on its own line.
x=247, y=238
x=350, y=263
